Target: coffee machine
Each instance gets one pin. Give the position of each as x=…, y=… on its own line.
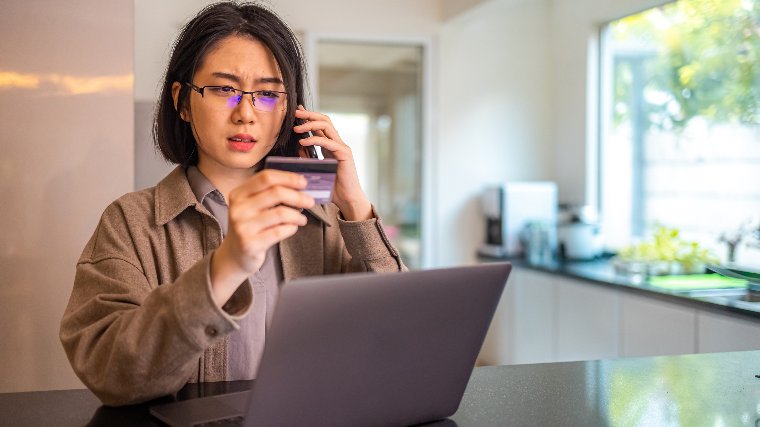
x=512, y=207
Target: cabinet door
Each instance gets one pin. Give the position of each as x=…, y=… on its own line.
x=534, y=318
x=651, y=327
x=523, y=328
x=719, y=332
x=497, y=346
x=588, y=324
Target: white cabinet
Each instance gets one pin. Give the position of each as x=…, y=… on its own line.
x=543, y=317
x=523, y=328
x=497, y=346
x=534, y=316
x=588, y=321
x=546, y=317
x=650, y=327
x=718, y=332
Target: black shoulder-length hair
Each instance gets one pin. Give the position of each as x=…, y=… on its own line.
x=174, y=136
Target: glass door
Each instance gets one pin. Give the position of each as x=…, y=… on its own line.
x=373, y=94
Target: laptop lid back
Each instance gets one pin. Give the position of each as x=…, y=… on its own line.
x=374, y=349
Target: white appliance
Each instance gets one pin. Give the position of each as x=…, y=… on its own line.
x=509, y=207
x=579, y=233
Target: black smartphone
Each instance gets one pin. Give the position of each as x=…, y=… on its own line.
x=311, y=151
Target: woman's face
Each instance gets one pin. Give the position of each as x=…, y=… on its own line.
x=234, y=137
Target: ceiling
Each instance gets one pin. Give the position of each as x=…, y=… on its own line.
x=369, y=56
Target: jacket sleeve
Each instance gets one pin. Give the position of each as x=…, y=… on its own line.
x=129, y=340
x=367, y=247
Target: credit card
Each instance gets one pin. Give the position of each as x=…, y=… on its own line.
x=320, y=174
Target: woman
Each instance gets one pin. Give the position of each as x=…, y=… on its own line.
x=179, y=281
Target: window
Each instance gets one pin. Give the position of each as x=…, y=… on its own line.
x=680, y=116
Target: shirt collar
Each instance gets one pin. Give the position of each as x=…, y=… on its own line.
x=201, y=186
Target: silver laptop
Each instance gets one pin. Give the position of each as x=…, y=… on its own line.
x=363, y=349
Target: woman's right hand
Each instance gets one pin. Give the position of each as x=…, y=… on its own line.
x=263, y=211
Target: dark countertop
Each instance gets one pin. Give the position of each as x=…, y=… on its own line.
x=738, y=302
x=698, y=389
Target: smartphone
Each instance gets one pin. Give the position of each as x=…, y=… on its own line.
x=311, y=150
x=320, y=174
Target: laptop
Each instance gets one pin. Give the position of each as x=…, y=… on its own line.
x=363, y=349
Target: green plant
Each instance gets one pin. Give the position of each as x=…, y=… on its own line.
x=694, y=256
x=667, y=245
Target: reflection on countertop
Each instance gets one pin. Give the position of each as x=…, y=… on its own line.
x=600, y=271
x=686, y=390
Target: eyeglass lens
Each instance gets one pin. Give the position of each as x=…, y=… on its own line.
x=260, y=101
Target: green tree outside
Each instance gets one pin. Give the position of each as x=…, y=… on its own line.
x=703, y=61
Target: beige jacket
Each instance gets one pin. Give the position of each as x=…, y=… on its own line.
x=141, y=323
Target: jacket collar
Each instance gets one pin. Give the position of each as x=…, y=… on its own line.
x=319, y=212
x=174, y=195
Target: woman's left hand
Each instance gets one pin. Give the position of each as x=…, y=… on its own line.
x=348, y=194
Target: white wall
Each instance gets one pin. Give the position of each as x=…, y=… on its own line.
x=66, y=139
x=531, y=67
x=575, y=26
x=495, y=115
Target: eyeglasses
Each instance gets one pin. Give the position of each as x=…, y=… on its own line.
x=227, y=97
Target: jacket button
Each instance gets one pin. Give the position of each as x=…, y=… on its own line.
x=211, y=331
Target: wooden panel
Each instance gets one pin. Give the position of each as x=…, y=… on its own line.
x=67, y=152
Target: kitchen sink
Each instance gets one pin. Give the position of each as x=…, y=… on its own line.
x=729, y=294
x=728, y=286
x=750, y=294
x=750, y=297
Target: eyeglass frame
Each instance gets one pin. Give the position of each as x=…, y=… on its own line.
x=242, y=92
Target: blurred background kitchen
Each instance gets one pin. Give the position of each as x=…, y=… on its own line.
x=615, y=134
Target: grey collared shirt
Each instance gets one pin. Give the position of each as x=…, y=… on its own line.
x=247, y=343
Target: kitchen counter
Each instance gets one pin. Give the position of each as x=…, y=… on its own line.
x=737, y=302
x=687, y=390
